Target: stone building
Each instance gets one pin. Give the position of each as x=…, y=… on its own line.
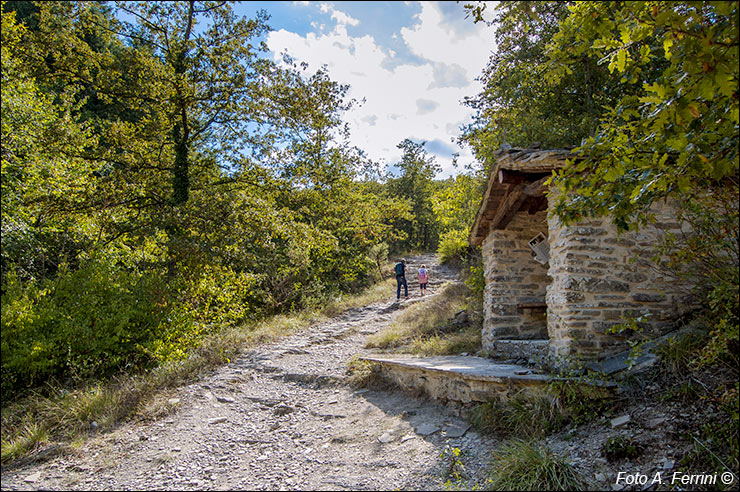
x=554, y=291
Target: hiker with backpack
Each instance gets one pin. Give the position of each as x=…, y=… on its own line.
x=401, y=280
x=423, y=279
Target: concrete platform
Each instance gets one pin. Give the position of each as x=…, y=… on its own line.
x=463, y=379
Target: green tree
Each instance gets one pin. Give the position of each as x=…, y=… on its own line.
x=673, y=134
x=416, y=185
x=209, y=75
x=674, y=130
x=40, y=136
x=319, y=172
x=456, y=202
x=518, y=106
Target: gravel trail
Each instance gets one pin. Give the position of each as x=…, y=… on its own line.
x=280, y=417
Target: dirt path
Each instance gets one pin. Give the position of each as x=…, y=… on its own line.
x=280, y=418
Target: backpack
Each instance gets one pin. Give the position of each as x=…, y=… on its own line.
x=422, y=275
x=399, y=269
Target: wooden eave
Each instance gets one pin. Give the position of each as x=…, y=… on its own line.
x=516, y=183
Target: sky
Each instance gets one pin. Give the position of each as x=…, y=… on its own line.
x=411, y=62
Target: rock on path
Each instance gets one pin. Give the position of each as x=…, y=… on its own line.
x=280, y=418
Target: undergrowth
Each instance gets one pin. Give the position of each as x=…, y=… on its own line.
x=709, y=389
x=526, y=414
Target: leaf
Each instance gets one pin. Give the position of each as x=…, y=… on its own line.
x=667, y=44
x=621, y=60
x=684, y=184
x=625, y=35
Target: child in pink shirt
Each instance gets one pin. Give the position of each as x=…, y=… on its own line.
x=423, y=279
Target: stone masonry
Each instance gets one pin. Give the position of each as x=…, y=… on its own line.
x=514, y=278
x=596, y=278
x=601, y=278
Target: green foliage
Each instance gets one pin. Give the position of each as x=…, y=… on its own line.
x=517, y=105
x=456, y=202
x=620, y=447
x=83, y=323
x=161, y=183
x=525, y=465
x=673, y=130
x=581, y=402
x=453, y=246
x=707, y=257
x=476, y=280
x=648, y=92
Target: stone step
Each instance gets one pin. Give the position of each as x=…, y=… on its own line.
x=463, y=379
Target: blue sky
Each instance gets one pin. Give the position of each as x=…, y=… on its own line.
x=412, y=63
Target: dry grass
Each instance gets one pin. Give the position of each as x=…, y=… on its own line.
x=382, y=291
x=426, y=328
x=467, y=340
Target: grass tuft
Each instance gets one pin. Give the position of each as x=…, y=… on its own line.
x=527, y=414
x=680, y=354
x=364, y=374
x=29, y=437
x=526, y=465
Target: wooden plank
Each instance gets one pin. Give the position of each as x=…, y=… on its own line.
x=537, y=188
x=532, y=305
x=511, y=177
x=509, y=207
x=514, y=200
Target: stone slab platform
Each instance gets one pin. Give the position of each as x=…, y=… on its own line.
x=463, y=379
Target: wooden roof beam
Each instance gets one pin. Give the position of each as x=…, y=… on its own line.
x=514, y=200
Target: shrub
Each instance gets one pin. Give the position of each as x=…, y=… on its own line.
x=80, y=324
x=476, y=281
x=453, y=246
x=581, y=402
x=523, y=465
x=679, y=353
x=708, y=257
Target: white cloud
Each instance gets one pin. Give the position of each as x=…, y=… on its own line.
x=415, y=101
x=424, y=106
x=343, y=18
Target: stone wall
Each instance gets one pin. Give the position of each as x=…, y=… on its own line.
x=514, y=277
x=601, y=278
